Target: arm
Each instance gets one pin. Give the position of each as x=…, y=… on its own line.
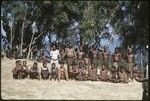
x=75, y=55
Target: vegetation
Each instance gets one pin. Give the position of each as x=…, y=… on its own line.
x=56, y=16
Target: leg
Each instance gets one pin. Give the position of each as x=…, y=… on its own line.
x=59, y=73
x=66, y=73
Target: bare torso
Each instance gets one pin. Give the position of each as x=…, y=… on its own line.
x=70, y=52
x=130, y=58
x=116, y=57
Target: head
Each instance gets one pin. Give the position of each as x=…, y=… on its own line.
x=53, y=65
x=105, y=49
x=17, y=62
x=116, y=50
x=81, y=48
x=135, y=66
x=44, y=64
x=24, y=63
x=35, y=64
x=86, y=56
x=103, y=66
x=130, y=50
x=92, y=65
x=54, y=47
x=70, y=45
x=51, y=47
x=94, y=47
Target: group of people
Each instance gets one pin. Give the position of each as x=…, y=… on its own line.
x=66, y=63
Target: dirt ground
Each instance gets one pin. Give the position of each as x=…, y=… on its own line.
x=63, y=90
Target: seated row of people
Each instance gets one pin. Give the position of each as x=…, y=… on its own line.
x=77, y=72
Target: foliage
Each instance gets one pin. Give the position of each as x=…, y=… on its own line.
x=91, y=15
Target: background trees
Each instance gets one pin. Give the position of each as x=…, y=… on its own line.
x=129, y=19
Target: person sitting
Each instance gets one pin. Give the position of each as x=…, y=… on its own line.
x=104, y=73
x=93, y=73
x=73, y=71
x=62, y=71
x=16, y=70
x=25, y=70
x=137, y=72
x=123, y=75
x=44, y=71
x=114, y=77
x=34, y=72
x=81, y=73
x=53, y=72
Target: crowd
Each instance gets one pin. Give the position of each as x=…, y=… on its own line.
x=67, y=63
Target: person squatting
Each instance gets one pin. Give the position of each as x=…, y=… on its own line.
x=68, y=64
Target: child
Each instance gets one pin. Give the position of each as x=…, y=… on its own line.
x=93, y=73
x=34, y=72
x=44, y=71
x=53, y=72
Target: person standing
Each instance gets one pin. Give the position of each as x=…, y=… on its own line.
x=54, y=55
x=130, y=62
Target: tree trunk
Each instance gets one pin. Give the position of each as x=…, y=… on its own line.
x=11, y=39
x=22, y=34
x=29, y=51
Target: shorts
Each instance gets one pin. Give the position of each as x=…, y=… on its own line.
x=56, y=63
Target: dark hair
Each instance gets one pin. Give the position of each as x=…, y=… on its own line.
x=53, y=64
x=17, y=61
x=35, y=63
x=24, y=61
x=44, y=62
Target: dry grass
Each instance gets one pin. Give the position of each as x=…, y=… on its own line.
x=87, y=90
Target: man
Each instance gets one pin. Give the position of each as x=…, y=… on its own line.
x=70, y=56
x=54, y=54
x=81, y=73
x=123, y=75
x=25, y=70
x=145, y=85
x=73, y=71
x=80, y=56
x=34, y=72
x=93, y=73
x=94, y=56
x=16, y=70
x=87, y=61
x=114, y=77
x=42, y=57
x=104, y=73
x=135, y=71
x=53, y=72
x=44, y=71
x=62, y=71
x=116, y=58
x=130, y=61
x=62, y=55
x=105, y=55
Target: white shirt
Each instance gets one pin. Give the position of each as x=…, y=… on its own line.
x=54, y=54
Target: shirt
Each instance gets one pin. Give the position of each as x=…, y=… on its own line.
x=54, y=54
